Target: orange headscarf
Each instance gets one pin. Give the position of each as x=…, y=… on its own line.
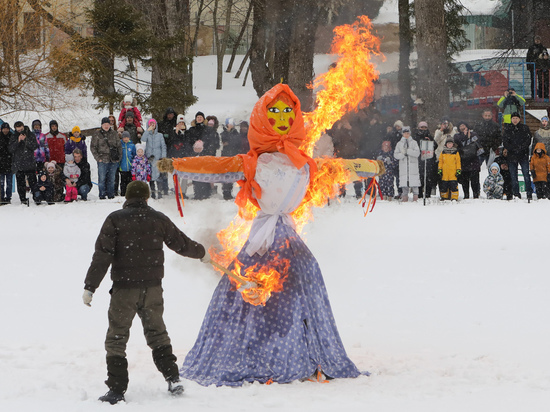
x=263, y=139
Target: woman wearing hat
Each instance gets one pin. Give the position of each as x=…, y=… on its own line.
x=543, y=134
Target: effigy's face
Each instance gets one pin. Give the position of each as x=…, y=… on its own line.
x=281, y=117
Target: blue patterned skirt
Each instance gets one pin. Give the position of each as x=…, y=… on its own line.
x=291, y=337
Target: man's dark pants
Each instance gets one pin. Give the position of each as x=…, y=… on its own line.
x=148, y=303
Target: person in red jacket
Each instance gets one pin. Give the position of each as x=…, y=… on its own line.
x=129, y=105
x=56, y=142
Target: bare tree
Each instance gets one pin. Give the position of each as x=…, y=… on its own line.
x=282, y=46
x=404, y=74
x=244, y=26
x=29, y=60
x=171, y=54
x=432, y=89
x=221, y=43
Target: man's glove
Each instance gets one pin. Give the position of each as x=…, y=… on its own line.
x=458, y=172
x=149, y=178
x=206, y=257
x=133, y=177
x=87, y=297
x=247, y=285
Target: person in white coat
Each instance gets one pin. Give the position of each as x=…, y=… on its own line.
x=155, y=149
x=408, y=152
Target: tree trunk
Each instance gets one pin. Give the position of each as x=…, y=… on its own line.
x=261, y=77
x=283, y=23
x=171, y=55
x=104, y=74
x=239, y=38
x=241, y=67
x=432, y=87
x=200, y=9
x=302, y=46
x=404, y=74
x=222, y=46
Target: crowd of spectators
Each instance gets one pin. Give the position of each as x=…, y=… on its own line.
x=54, y=166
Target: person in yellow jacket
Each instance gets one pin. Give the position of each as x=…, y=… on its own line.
x=449, y=170
x=540, y=170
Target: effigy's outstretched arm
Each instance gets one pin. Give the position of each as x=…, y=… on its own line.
x=210, y=169
x=350, y=170
x=215, y=169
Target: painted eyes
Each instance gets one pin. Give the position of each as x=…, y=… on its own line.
x=276, y=110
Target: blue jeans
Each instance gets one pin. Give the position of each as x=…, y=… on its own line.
x=8, y=178
x=513, y=166
x=83, y=191
x=106, y=179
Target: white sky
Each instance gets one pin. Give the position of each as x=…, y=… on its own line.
x=389, y=14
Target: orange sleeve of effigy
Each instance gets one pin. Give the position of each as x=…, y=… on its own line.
x=209, y=164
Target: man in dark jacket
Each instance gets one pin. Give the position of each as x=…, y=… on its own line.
x=489, y=136
x=243, y=132
x=6, y=175
x=131, y=128
x=517, y=139
x=502, y=161
x=131, y=242
x=107, y=151
x=207, y=135
x=84, y=182
x=22, y=146
x=532, y=55
x=231, y=146
x=169, y=121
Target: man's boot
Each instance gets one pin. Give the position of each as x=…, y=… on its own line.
x=117, y=379
x=165, y=362
x=175, y=387
x=112, y=397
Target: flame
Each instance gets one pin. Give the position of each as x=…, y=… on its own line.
x=349, y=83
x=267, y=278
x=342, y=89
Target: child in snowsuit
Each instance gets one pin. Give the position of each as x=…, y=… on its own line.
x=391, y=165
x=540, y=168
x=129, y=105
x=55, y=173
x=141, y=168
x=43, y=189
x=125, y=166
x=449, y=169
x=408, y=152
x=76, y=141
x=494, y=183
x=72, y=173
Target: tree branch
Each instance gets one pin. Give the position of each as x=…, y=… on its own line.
x=37, y=7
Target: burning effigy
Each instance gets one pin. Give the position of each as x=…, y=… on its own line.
x=270, y=319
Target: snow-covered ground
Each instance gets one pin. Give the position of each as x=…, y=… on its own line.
x=446, y=305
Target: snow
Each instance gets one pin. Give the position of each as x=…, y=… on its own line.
x=446, y=305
